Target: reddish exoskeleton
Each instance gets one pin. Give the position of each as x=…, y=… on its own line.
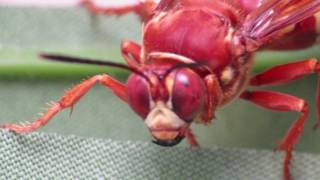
x=196, y=57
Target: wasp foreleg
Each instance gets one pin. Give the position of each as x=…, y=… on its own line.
x=70, y=98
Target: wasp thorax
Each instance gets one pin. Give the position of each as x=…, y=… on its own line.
x=202, y=35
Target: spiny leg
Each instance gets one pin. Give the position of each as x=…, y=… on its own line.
x=142, y=8
x=69, y=99
x=282, y=102
x=288, y=72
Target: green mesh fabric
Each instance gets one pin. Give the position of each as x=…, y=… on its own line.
x=50, y=156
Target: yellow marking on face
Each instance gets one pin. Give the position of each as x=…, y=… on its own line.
x=229, y=36
x=227, y=75
x=162, y=116
x=317, y=16
x=143, y=58
x=156, y=20
x=288, y=29
x=169, y=83
x=165, y=55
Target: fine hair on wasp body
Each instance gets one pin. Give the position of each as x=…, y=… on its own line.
x=196, y=56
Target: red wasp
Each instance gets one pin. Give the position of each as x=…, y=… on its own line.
x=196, y=56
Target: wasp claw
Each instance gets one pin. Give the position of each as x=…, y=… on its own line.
x=71, y=111
x=316, y=126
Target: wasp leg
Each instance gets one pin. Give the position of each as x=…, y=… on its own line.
x=213, y=99
x=131, y=53
x=289, y=72
x=191, y=137
x=282, y=102
x=69, y=99
x=142, y=8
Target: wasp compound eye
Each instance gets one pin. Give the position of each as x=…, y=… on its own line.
x=138, y=93
x=188, y=94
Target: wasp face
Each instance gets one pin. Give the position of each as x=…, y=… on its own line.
x=169, y=105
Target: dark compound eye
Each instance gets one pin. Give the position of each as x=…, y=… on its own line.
x=138, y=95
x=187, y=94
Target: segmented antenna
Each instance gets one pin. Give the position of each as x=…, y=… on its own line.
x=77, y=60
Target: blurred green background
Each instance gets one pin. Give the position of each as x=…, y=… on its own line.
x=27, y=83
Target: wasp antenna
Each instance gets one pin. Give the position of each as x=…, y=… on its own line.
x=70, y=59
x=178, y=66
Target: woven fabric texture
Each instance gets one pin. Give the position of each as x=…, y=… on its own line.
x=50, y=156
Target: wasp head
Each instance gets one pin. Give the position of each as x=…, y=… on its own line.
x=169, y=101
